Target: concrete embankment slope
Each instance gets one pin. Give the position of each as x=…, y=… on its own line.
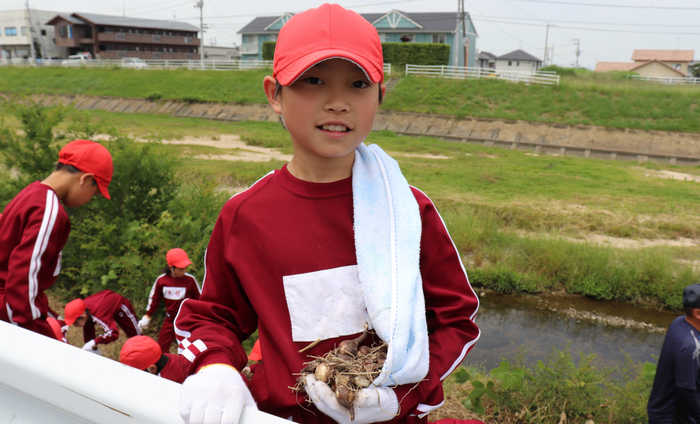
x=556, y=139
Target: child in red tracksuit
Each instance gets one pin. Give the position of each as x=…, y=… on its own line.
x=283, y=258
x=174, y=286
x=106, y=309
x=143, y=353
x=34, y=227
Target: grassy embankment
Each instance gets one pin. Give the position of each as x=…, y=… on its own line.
x=583, y=99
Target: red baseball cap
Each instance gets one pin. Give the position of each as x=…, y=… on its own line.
x=177, y=258
x=140, y=352
x=327, y=32
x=255, y=354
x=73, y=310
x=89, y=157
x=56, y=328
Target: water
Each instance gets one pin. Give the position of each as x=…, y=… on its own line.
x=611, y=330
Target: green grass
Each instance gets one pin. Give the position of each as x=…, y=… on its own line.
x=181, y=84
x=582, y=98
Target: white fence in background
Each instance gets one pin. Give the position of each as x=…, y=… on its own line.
x=665, y=80
x=461, y=72
x=208, y=65
x=46, y=381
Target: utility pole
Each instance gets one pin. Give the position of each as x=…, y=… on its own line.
x=464, y=33
x=31, y=37
x=546, y=39
x=200, y=5
x=578, y=51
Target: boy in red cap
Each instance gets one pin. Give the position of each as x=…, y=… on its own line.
x=34, y=227
x=173, y=286
x=106, y=309
x=299, y=255
x=143, y=353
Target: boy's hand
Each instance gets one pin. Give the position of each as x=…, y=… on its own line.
x=372, y=404
x=216, y=394
x=143, y=323
x=92, y=347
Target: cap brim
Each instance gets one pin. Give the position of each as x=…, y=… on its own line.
x=103, y=189
x=294, y=70
x=70, y=322
x=182, y=264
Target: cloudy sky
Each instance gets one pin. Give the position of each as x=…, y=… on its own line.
x=607, y=31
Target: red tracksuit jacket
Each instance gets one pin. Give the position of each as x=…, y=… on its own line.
x=34, y=227
x=173, y=291
x=282, y=227
x=104, y=306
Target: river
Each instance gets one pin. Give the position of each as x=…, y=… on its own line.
x=611, y=330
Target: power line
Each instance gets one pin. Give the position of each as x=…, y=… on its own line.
x=609, y=5
x=592, y=29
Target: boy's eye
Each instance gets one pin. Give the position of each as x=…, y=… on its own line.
x=360, y=84
x=314, y=80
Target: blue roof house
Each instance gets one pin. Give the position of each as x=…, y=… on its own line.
x=393, y=27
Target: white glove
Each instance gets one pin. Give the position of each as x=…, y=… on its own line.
x=372, y=404
x=143, y=323
x=90, y=347
x=215, y=395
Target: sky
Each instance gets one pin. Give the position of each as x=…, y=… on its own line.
x=605, y=31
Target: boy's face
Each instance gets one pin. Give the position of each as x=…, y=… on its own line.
x=329, y=110
x=178, y=272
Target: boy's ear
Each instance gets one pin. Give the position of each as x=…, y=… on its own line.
x=87, y=178
x=152, y=369
x=270, y=87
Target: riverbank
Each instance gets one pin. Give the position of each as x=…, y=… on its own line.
x=513, y=215
x=602, y=100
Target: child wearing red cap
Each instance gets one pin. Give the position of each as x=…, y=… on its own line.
x=34, y=227
x=143, y=353
x=301, y=255
x=106, y=309
x=173, y=286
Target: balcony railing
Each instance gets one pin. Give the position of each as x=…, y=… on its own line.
x=106, y=37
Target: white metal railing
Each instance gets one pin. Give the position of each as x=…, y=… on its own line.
x=461, y=72
x=665, y=80
x=46, y=381
x=216, y=65
x=387, y=69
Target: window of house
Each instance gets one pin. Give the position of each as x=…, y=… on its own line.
x=103, y=47
x=439, y=38
x=88, y=32
x=517, y=63
x=43, y=32
x=63, y=31
x=24, y=30
x=407, y=38
x=677, y=66
x=510, y=63
x=11, y=31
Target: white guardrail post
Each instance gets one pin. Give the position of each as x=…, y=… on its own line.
x=46, y=381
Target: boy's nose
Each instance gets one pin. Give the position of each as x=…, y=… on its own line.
x=337, y=102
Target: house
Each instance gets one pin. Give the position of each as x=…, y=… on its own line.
x=18, y=27
x=653, y=63
x=222, y=53
x=393, y=27
x=518, y=60
x=487, y=60
x=113, y=37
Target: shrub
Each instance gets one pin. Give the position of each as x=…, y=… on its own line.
x=268, y=50
x=399, y=54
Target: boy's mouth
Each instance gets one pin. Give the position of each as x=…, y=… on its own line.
x=337, y=128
